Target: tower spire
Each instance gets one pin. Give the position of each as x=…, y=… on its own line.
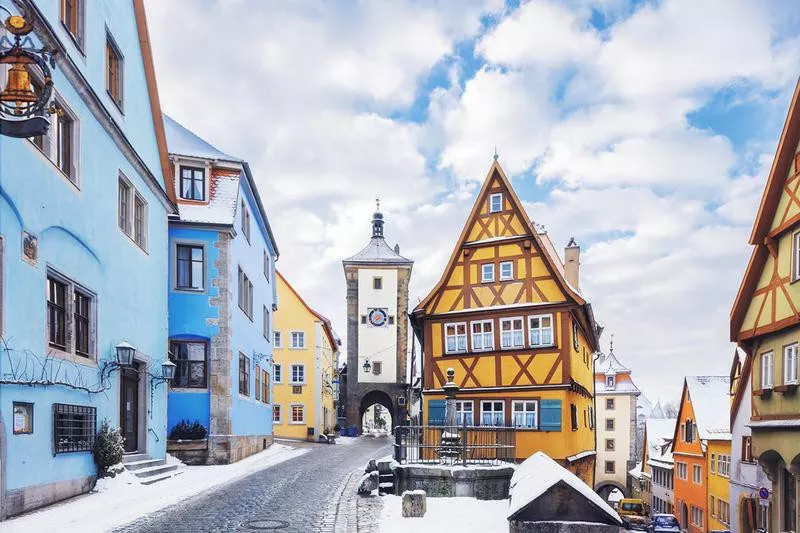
x=377, y=221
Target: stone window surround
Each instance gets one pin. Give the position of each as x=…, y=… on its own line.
x=173, y=267
x=79, y=39
x=61, y=102
x=291, y=412
x=301, y=346
x=111, y=43
x=277, y=342
x=69, y=321
x=291, y=377
x=130, y=216
x=612, y=444
x=277, y=376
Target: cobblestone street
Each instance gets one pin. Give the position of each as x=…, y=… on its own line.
x=300, y=495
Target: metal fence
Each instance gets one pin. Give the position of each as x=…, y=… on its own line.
x=454, y=445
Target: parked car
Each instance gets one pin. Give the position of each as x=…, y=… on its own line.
x=663, y=523
x=633, y=514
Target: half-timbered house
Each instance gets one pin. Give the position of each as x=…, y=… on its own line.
x=508, y=316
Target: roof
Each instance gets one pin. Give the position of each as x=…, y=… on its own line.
x=659, y=432
x=710, y=397
x=222, y=201
x=609, y=364
x=743, y=385
x=326, y=324
x=636, y=471
x=182, y=141
x=378, y=252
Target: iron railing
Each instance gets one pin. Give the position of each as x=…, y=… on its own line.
x=454, y=445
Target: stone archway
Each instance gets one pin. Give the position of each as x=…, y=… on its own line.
x=380, y=398
x=684, y=516
x=604, y=488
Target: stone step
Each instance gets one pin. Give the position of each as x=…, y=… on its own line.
x=144, y=463
x=133, y=457
x=161, y=477
x=154, y=470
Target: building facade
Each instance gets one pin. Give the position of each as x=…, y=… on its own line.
x=222, y=294
x=765, y=324
x=377, y=329
x=616, y=399
x=508, y=316
x=306, y=355
x=702, y=436
x=658, y=463
x=72, y=286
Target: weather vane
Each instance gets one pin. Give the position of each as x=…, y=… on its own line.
x=495, y=153
x=378, y=203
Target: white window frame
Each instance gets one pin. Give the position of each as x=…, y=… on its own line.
x=266, y=322
x=291, y=413
x=790, y=355
x=277, y=373
x=682, y=471
x=513, y=345
x=495, y=196
x=611, y=382
x=301, y=336
x=487, y=273
x=502, y=412
x=461, y=412
x=482, y=336
x=245, y=220
x=697, y=479
x=455, y=336
x=280, y=413
x=507, y=276
x=767, y=370
x=541, y=330
x=302, y=368
x=277, y=340
x=524, y=412
x=51, y=140
x=796, y=256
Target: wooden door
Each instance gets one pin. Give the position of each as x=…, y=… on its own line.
x=129, y=409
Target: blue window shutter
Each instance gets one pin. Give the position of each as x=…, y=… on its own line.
x=436, y=413
x=550, y=419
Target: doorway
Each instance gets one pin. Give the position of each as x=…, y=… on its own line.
x=129, y=408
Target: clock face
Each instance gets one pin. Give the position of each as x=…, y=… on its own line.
x=377, y=317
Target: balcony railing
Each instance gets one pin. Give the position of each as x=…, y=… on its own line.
x=452, y=445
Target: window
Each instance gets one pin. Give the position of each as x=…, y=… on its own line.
x=747, y=449
x=487, y=273
x=72, y=19
x=113, y=71
x=697, y=474
x=377, y=283
x=132, y=212
x=511, y=335
x=245, y=221
x=266, y=265
x=697, y=517
x=244, y=374
x=591, y=418
x=190, y=360
x=74, y=428
x=139, y=221
x=724, y=465
x=610, y=445
x=723, y=512
x=796, y=253
x=70, y=316
x=276, y=413
x=266, y=322
x=766, y=370
x=23, y=418
x=575, y=335
x=265, y=386
x=298, y=374
x=712, y=506
x=682, y=471
x=455, y=338
x=80, y=309
x=493, y=413
x=609, y=424
x=610, y=404
x=57, y=313
x=495, y=202
x=277, y=375
x=573, y=411
x=713, y=461
x=298, y=414
x=124, y=202
x=377, y=367
x=525, y=414
x=790, y=364
x=276, y=336
x=482, y=335
x=611, y=382
x=610, y=467
x=258, y=382
x=506, y=270
x=298, y=340
x=689, y=434
x=245, y=294
x=190, y=267
x=193, y=183
x=60, y=143
x=541, y=330
x=464, y=413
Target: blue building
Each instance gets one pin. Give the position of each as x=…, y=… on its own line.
x=83, y=256
x=221, y=298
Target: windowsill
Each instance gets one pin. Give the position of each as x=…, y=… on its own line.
x=297, y=384
x=74, y=39
x=763, y=393
x=297, y=348
x=298, y=423
x=189, y=290
x=75, y=358
x=192, y=390
x=506, y=279
x=130, y=238
x=118, y=105
x=193, y=201
x=43, y=155
x=786, y=388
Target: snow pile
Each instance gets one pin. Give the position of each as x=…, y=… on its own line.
x=346, y=441
x=122, y=499
x=465, y=515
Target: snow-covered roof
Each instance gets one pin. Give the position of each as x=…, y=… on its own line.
x=377, y=251
x=181, y=141
x=657, y=411
x=609, y=364
x=710, y=396
x=659, y=435
x=222, y=200
x=636, y=471
x=537, y=474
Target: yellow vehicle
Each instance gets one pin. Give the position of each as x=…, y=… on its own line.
x=633, y=513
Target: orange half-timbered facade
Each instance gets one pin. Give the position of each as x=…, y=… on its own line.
x=508, y=317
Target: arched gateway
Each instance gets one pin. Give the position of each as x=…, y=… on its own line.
x=377, y=328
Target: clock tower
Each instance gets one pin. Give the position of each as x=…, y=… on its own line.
x=377, y=328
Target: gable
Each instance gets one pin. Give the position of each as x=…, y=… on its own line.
x=685, y=412
x=494, y=238
x=787, y=212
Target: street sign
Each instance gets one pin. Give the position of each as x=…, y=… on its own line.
x=763, y=494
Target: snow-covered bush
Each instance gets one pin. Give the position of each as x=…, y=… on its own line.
x=108, y=448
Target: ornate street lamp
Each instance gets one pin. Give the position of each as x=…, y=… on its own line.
x=168, y=370
x=367, y=366
x=23, y=105
x=125, y=353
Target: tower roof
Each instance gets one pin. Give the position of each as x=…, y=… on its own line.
x=377, y=251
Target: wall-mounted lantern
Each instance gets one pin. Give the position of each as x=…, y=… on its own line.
x=167, y=375
x=24, y=105
x=125, y=353
x=367, y=366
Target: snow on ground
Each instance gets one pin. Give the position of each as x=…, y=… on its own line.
x=346, y=441
x=465, y=515
x=122, y=499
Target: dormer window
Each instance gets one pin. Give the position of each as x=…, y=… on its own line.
x=495, y=203
x=611, y=382
x=193, y=183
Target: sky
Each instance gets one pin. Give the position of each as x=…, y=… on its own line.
x=645, y=129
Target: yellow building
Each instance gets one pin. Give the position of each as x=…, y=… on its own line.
x=305, y=353
x=508, y=316
x=765, y=323
x=719, y=472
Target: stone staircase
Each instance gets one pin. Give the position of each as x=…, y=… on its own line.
x=147, y=469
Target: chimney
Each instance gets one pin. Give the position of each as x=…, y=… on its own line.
x=397, y=249
x=572, y=263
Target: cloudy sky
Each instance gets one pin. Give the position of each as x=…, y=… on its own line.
x=644, y=128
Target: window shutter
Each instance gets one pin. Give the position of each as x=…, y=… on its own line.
x=551, y=415
x=436, y=413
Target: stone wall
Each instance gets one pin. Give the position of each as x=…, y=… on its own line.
x=521, y=526
x=223, y=449
x=483, y=483
x=220, y=356
x=18, y=501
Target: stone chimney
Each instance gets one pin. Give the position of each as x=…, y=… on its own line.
x=572, y=263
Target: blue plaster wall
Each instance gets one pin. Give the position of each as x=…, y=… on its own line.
x=79, y=237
